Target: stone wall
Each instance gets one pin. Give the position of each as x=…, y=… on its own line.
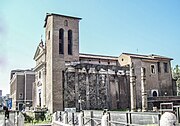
x=91, y=89
x=160, y=81
x=20, y=87
x=30, y=78
x=48, y=90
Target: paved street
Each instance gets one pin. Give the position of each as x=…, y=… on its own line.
x=1, y=119
x=8, y=122
x=1, y=122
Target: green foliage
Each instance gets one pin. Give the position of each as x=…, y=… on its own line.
x=176, y=76
x=28, y=118
x=49, y=117
x=37, y=117
x=35, y=122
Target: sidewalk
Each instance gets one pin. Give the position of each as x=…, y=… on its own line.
x=8, y=123
x=40, y=125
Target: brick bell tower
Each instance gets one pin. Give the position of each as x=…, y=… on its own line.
x=62, y=45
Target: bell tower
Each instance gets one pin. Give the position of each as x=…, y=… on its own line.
x=62, y=45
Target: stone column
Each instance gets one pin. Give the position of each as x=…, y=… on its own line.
x=97, y=89
x=87, y=89
x=117, y=90
x=132, y=88
x=77, y=88
x=107, y=90
x=143, y=87
x=103, y=90
x=65, y=88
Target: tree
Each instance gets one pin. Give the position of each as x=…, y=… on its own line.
x=176, y=76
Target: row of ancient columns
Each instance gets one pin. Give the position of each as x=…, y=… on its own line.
x=132, y=89
x=87, y=82
x=106, y=83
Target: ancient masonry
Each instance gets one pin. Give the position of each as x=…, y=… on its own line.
x=90, y=86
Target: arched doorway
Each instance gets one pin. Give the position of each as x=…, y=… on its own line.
x=155, y=94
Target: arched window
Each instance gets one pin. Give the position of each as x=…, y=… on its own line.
x=61, y=41
x=155, y=94
x=65, y=23
x=153, y=69
x=70, y=42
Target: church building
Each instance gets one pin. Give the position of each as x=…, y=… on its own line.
x=66, y=78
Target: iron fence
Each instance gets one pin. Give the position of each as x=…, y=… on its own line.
x=115, y=118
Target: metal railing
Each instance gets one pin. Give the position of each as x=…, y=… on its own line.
x=114, y=118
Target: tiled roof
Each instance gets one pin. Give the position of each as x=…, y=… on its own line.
x=152, y=56
x=92, y=56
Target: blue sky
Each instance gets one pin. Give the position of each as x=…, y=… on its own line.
x=108, y=27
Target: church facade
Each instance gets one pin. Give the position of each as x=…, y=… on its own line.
x=66, y=78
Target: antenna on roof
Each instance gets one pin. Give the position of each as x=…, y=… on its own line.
x=137, y=50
